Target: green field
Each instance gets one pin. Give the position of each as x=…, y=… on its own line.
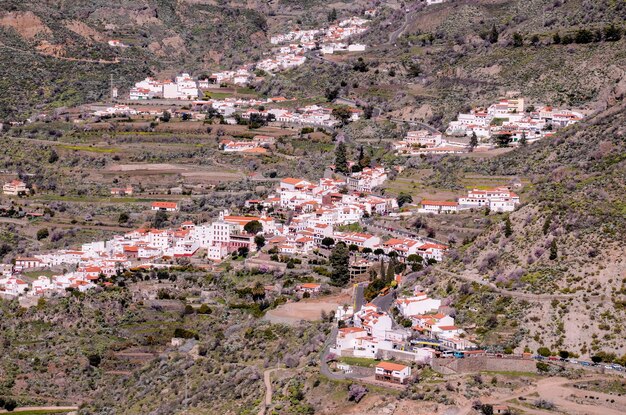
x=359, y=361
x=89, y=149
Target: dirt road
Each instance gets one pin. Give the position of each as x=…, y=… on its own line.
x=267, y=380
x=40, y=408
x=566, y=398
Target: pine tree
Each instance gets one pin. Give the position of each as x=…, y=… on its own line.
x=391, y=270
x=547, y=224
x=612, y=33
x=522, y=140
x=553, y=250
x=382, y=269
x=361, y=156
x=332, y=15
x=341, y=160
x=473, y=141
x=494, y=35
x=508, y=230
x=339, y=261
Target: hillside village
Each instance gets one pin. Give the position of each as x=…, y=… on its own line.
x=364, y=207
x=513, y=119
x=289, y=56
x=318, y=209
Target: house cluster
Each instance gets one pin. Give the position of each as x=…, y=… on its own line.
x=425, y=142
x=181, y=87
x=140, y=247
x=373, y=333
x=88, y=265
x=286, y=57
x=241, y=77
x=319, y=208
x=301, y=36
x=371, y=336
x=15, y=188
x=115, y=110
x=335, y=37
x=309, y=115
x=258, y=145
x=497, y=199
x=430, y=321
x=332, y=39
x=510, y=117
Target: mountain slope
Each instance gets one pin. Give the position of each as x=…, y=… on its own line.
x=564, y=262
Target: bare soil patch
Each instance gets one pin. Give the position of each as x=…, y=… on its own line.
x=26, y=24
x=309, y=310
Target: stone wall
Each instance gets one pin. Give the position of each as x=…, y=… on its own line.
x=483, y=363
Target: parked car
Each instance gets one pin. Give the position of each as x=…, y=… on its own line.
x=574, y=361
x=585, y=363
x=608, y=367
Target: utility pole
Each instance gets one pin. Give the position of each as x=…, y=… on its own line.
x=112, y=90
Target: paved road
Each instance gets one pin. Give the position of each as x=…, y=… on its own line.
x=393, y=36
x=324, y=369
x=400, y=233
x=418, y=123
x=359, y=298
x=384, y=302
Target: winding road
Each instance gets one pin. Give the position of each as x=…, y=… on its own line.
x=393, y=36
x=267, y=380
x=568, y=400
x=475, y=277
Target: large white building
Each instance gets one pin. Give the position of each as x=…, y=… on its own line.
x=15, y=188
x=498, y=199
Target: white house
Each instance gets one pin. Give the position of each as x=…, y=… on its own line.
x=375, y=322
x=15, y=188
x=165, y=206
x=416, y=305
x=438, y=206
x=392, y=372
x=356, y=47
x=499, y=199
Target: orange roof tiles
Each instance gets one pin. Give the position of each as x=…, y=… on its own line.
x=391, y=366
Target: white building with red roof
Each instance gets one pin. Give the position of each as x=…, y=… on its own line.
x=375, y=322
x=417, y=305
x=164, y=206
x=392, y=372
x=13, y=286
x=15, y=188
x=498, y=199
x=438, y=206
